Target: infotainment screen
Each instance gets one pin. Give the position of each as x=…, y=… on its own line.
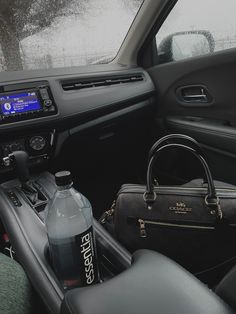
x=19, y=102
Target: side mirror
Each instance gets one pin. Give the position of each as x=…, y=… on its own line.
x=184, y=45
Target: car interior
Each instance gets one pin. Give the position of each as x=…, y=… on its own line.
x=170, y=68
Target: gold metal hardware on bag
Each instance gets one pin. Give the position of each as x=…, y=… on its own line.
x=108, y=213
x=143, y=233
x=143, y=223
x=149, y=200
x=217, y=208
x=219, y=211
x=155, y=182
x=175, y=225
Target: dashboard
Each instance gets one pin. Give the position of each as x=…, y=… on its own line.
x=37, y=115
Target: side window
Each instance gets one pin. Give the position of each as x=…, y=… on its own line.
x=195, y=28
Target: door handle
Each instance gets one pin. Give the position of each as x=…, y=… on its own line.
x=201, y=97
x=191, y=94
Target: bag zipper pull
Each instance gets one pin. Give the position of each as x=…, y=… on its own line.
x=143, y=233
x=219, y=211
x=108, y=213
x=112, y=209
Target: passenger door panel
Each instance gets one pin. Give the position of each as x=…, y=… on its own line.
x=211, y=122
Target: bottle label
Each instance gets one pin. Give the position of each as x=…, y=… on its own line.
x=88, y=261
x=74, y=259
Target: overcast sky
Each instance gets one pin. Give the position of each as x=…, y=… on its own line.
x=215, y=16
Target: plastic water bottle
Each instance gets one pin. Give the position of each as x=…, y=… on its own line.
x=70, y=235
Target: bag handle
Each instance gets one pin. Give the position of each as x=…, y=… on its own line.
x=182, y=138
x=211, y=198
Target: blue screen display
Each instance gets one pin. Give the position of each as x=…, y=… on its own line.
x=19, y=103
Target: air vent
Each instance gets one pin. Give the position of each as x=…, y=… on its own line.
x=106, y=81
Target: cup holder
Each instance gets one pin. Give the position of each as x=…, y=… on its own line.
x=106, y=264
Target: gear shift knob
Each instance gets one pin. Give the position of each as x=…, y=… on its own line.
x=21, y=161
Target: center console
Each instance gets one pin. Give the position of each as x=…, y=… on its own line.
x=24, y=223
x=38, y=145
x=18, y=103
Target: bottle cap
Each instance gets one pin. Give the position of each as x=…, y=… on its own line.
x=63, y=178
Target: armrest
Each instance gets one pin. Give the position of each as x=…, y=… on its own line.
x=153, y=284
x=226, y=288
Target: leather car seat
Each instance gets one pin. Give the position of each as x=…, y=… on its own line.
x=153, y=284
x=227, y=287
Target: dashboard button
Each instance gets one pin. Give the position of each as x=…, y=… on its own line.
x=14, y=199
x=44, y=93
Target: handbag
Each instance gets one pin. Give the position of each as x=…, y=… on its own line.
x=194, y=224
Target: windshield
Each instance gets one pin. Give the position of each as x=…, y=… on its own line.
x=43, y=34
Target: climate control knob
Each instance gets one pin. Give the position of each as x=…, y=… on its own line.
x=37, y=143
x=47, y=103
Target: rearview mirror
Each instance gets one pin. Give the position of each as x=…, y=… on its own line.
x=184, y=45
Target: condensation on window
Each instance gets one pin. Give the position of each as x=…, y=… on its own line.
x=44, y=34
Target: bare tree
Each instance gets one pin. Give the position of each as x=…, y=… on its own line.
x=22, y=18
x=133, y=5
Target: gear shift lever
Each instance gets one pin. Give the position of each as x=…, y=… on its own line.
x=20, y=160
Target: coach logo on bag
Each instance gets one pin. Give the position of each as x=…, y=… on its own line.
x=180, y=208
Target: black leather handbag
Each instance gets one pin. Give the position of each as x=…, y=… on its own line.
x=194, y=224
